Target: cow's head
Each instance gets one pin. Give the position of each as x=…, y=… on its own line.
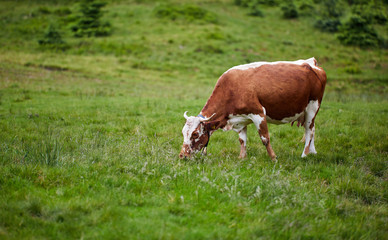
x=196, y=134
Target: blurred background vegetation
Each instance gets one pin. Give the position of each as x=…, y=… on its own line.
x=346, y=35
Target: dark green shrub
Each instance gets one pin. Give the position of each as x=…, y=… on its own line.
x=44, y=10
x=306, y=8
x=267, y=2
x=190, y=13
x=254, y=10
x=289, y=10
x=52, y=39
x=247, y=3
x=352, y=2
x=329, y=17
x=255, y=5
x=328, y=24
x=332, y=8
x=89, y=22
x=165, y=11
x=371, y=12
x=64, y=11
x=242, y=3
x=356, y=31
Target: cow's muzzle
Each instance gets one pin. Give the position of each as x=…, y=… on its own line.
x=185, y=152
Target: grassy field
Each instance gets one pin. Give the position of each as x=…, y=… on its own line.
x=90, y=136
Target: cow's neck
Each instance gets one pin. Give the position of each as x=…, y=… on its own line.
x=214, y=105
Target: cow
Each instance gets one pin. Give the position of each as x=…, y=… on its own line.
x=259, y=93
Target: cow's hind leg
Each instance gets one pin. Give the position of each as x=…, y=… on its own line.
x=261, y=125
x=309, y=125
x=243, y=141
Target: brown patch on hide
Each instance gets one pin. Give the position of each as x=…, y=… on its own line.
x=198, y=141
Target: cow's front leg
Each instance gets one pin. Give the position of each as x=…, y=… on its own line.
x=243, y=141
x=261, y=125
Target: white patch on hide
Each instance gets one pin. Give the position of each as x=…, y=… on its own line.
x=243, y=136
x=312, y=108
x=310, y=61
x=238, y=122
x=311, y=111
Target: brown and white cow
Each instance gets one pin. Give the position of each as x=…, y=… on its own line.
x=260, y=92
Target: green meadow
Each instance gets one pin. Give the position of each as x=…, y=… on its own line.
x=90, y=128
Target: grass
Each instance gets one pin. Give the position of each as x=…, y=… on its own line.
x=90, y=137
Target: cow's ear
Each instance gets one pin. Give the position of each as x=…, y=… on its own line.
x=211, y=126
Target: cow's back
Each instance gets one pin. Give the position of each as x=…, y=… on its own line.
x=283, y=89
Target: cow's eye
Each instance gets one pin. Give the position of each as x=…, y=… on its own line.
x=195, y=135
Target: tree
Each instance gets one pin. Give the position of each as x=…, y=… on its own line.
x=52, y=39
x=89, y=23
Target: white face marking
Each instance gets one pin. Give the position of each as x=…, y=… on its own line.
x=191, y=124
x=310, y=61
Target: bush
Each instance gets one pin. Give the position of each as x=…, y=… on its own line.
x=356, y=31
x=332, y=8
x=255, y=11
x=328, y=24
x=64, y=11
x=371, y=12
x=289, y=10
x=89, y=23
x=247, y=3
x=329, y=21
x=190, y=13
x=254, y=6
x=306, y=8
x=52, y=39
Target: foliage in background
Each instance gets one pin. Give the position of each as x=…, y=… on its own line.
x=356, y=31
x=89, y=22
x=289, y=10
x=329, y=16
x=372, y=12
x=254, y=6
x=307, y=8
x=52, y=39
x=249, y=3
x=186, y=12
x=255, y=9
